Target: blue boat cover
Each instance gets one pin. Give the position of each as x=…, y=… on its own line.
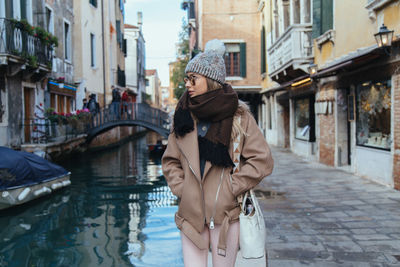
x=19, y=168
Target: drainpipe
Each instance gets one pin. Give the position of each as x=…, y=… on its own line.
x=104, y=64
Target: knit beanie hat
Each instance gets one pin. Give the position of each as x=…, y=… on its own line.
x=210, y=63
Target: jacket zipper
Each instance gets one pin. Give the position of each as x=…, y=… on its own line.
x=216, y=200
x=201, y=185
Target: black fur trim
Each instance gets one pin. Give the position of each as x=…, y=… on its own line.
x=217, y=154
x=183, y=122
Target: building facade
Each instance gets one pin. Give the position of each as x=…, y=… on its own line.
x=26, y=53
x=330, y=94
x=135, y=59
x=61, y=90
x=99, y=52
x=237, y=24
x=153, y=88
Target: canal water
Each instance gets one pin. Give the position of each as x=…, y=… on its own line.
x=118, y=211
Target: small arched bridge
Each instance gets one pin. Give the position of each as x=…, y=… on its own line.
x=128, y=114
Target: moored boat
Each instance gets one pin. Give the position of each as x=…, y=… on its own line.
x=25, y=176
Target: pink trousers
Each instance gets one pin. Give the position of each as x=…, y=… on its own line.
x=195, y=257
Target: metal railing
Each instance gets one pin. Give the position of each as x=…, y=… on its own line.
x=120, y=111
x=43, y=131
x=18, y=42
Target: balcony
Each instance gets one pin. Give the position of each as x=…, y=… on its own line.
x=291, y=54
x=24, y=45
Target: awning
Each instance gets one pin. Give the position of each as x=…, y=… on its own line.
x=351, y=61
x=62, y=88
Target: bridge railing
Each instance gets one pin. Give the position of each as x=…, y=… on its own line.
x=128, y=112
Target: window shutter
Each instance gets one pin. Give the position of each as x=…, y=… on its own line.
x=316, y=29
x=243, y=59
x=118, y=26
x=124, y=48
x=263, y=63
x=23, y=9
x=326, y=15
x=9, y=9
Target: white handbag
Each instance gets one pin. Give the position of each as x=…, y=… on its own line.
x=252, y=229
x=252, y=226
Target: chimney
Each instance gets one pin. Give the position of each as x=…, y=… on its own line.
x=140, y=20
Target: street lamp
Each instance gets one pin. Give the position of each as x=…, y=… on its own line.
x=312, y=69
x=384, y=37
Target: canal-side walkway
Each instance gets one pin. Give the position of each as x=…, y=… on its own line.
x=321, y=216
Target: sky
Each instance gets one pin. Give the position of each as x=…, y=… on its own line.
x=162, y=22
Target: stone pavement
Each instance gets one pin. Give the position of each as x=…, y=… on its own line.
x=321, y=216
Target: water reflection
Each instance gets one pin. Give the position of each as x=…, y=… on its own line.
x=117, y=212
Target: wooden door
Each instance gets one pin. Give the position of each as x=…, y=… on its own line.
x=28, y=115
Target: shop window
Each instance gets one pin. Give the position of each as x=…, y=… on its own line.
x=373, y=114
x=304, y=119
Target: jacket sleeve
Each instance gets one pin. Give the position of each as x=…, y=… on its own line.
x=256, y=158
x=172, y=168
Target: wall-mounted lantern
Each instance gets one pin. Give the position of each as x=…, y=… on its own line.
x=312, y=69
x=384, y=37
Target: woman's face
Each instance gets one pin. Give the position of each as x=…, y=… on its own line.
x=196, y=84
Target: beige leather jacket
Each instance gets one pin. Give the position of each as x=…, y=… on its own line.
x=199, y=202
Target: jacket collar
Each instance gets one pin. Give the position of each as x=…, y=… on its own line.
x=189, y=145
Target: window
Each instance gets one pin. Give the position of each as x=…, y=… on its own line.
x=286, y=14
x=24, y=14
x=373, y=114
x=322, y=17
x=118, y=26
x=93, y=2
x=296, y=11
x=92, y=50
x=304, y=119
x=49, y=20
x=67, y=41
x=235, y=59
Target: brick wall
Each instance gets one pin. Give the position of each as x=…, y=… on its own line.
x=396, y=132
x=327, y=127
x=235, y=20
x=327, y=139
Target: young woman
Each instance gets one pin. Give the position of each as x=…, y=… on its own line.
x=198, y=165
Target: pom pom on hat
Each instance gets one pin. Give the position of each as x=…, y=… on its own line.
x=210, y=63
x=216, y=46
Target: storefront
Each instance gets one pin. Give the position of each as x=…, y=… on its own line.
x=302, y=118
x=362, y=118
x=62, y=96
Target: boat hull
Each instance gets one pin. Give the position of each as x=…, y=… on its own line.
x=20, y=195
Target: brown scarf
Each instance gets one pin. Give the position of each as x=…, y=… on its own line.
x=216, y=106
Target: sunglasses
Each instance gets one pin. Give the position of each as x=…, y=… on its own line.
x=191, y=79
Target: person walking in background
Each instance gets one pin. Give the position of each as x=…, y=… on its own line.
x=84, y=104
x=116, y=102
x=124, y=103
x=93, y=106
x=198, y=162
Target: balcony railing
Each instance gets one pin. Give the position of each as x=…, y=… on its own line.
x=43, y=131
x=14, y=40
x=293, y=48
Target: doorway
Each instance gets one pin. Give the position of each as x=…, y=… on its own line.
x=28, y=112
